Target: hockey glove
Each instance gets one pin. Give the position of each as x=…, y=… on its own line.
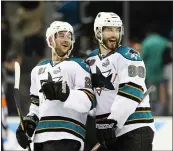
x=56, y=90
x=105, y=131
x=30, y=123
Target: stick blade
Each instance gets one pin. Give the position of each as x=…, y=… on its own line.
x=17, y=75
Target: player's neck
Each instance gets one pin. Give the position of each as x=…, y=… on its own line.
x=56, y=58
x=104, y=51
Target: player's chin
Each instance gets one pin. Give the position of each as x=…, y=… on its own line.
x=112, y=46
x=65, y=50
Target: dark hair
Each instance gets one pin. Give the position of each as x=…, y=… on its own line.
x=29, y=4
x=95, y=40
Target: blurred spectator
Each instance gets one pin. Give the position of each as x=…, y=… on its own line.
x=4, y=114
x=70, y=12
x=30, y=20
x=8, y=80
x=78, y=15
x=167, y=70
x=153, y=47
x=135, y=43
x=5, y=38
x=87, y=34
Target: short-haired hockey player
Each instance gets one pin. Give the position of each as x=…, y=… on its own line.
x=124, y=121
x=61, y=97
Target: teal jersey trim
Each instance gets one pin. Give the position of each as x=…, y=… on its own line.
x=132, y=91
x=140, y=116
x=93, y=53
x=35, y=101
x=81, y=62
x=129, y=53
x=44, y=62
x=61, y=124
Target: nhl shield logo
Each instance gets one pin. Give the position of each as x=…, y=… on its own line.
x=56, y=71
x=106, y=63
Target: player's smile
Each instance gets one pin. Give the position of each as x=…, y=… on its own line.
x=66, y=45
x=112, y=40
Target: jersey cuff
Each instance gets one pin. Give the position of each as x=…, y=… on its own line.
x=34, y=100
x=131, y=91
x=91, y=97
x=78, y=101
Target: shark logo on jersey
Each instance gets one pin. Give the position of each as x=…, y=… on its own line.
x=57, y=79
x=100, y=82
x=107, y=73
x=133, y=53
x=106, y=63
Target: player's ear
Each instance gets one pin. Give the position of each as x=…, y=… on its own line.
x=98, y=33
x=52, y=42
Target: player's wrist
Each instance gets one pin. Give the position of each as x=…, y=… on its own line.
x=33, y=118
x=105, y=130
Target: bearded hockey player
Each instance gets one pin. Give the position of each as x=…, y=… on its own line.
x=61, y=97
x=124, y=121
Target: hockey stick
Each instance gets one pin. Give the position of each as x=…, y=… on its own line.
x=17, y=95
x=151, y=89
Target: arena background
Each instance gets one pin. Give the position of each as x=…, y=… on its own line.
x=23, y=26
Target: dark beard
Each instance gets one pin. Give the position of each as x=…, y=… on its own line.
x=60, y=53
x=105, y=42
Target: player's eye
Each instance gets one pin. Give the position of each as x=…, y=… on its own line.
x=64, y=34
x=61, y=35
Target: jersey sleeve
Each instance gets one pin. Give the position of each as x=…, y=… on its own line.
x=82, y=97
x=34, y=107
x=131, y=76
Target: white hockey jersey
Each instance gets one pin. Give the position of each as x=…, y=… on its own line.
x=58, y=120
x=119, y=84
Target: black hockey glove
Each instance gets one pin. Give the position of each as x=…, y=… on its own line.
x=30, y=123
x=56, y=90
x=105, y=131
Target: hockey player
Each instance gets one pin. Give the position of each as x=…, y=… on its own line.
x=124, y=121
x=61, y=97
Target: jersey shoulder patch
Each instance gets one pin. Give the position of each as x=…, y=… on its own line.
x=81, y=62
x=129, y=53
x=43, y=62
x=93, y=53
